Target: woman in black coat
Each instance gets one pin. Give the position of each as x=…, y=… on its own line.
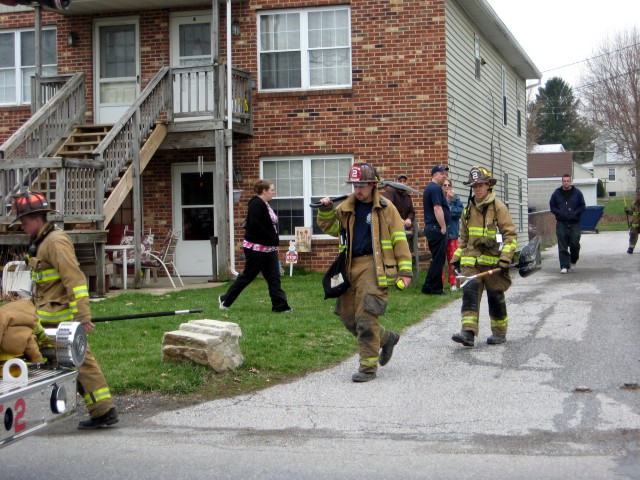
x=260, y=246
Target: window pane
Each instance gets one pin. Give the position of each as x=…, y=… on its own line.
x=281, y=70
x=290, y=214
x=118, y=51
x=329, y=67
x=195, y=44
x=7, y=50
x=197, y=223
x=280, y=32
x=7, y=86
x=328, y=177
x=27, y=49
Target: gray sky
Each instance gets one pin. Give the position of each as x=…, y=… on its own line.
x=555, y=33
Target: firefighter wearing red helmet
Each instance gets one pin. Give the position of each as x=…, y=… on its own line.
x=60, y=295
x=487, y=240
x=377, y=255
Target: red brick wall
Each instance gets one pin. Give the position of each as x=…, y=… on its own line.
x=394, y=116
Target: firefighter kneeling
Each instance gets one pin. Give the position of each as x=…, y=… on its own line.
x=61, y=295
x=487, y=240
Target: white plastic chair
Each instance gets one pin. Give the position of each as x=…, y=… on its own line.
x=152, y=261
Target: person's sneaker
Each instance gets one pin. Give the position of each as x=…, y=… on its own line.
x=465, y=337
x=221, y=303
x=363, y=376
x=563, y=270
x=496, y=339
x=629, y=250
x=286, y=310
x=109, y=418
x=453, y=288
x=573, y=267
x=387, y=348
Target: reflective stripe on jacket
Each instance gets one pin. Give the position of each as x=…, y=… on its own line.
x=61, y=292
x=390, y=248
x=492, y=217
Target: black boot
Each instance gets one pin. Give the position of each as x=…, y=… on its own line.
x=387, y=348
x=630, y=250
x=109, y=418
x=465, y=337
x=363, y=376
x=496, y=339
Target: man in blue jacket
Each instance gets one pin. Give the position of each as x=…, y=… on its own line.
x=567, y=204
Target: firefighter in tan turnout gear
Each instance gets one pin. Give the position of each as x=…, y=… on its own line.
x=487, y=240
x=377, y=255
x=60, y=295
x=633, y=218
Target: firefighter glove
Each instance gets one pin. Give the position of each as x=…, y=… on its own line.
x=486, y=243
x=628, y=211
x=456, y=265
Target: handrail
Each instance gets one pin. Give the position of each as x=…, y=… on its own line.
x=41, y=133
x=116, y=149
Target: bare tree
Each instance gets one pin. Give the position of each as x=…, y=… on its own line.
x=533, y=110
x=611, y=93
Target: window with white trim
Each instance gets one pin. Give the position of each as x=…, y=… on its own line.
x=300, y=181
x=304, y=49
x=518, y=109
x=18, y=63
x=612, y=174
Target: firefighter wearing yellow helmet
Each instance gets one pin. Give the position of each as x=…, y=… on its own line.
x=377, y=256
x=60, y=295
x=487, y=240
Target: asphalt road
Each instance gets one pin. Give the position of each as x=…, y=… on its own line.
x=437, y=410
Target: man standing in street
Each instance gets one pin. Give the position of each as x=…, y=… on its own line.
x=436, y=218
x=61, y=295
x=377, y=256
x=567, y=204
x=402, y=201
x=633, y=217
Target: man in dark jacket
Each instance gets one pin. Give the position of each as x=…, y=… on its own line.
x=402, y=201
x=567, y=204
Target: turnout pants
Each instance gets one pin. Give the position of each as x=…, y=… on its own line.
x=633, y=236
x=495, y=286
x=92, y=386
x=359, y=309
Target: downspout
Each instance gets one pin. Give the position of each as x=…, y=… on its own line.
x=232, y=233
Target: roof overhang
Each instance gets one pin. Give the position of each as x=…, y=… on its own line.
x=95, y=7
x=494, y=30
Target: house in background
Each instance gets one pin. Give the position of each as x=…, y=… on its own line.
x=546, y=165
x=314, y=86
x=616, y=171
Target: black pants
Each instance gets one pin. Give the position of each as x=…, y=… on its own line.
x=438, y=247
x=267, y=264
x=568, y=243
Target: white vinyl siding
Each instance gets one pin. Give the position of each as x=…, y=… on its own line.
x=476, y=115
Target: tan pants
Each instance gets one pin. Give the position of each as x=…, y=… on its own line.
x=92, y=386
x=359, y=309
x=495, y=285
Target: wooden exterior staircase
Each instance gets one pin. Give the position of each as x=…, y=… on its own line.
x=82, y=141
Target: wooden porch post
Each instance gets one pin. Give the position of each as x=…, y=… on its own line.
x=222, y=208
x=137, y=201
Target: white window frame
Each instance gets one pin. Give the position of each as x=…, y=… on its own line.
x=612, y=174
x=19, y=69
x=306, y=196
x=304, y=49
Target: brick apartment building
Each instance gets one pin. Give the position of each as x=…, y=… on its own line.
x=403, y=85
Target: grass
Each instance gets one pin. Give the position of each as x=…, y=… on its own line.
x=276, y=347
x=613, y=217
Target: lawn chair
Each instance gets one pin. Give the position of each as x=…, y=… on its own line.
x=152, y=261
x=128, y=260
x=16, y=279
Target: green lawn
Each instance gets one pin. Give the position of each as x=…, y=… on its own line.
x=613, y=217
x=276, y=347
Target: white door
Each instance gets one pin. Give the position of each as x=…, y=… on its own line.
x=194, y=215
x=117, y=67
x=191, y=46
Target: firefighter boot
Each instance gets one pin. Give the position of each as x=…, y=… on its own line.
x=363, y=376
x=630, y=250
x=465, y=337
x=496, y=339
x=387, y=348
x=109, y=418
